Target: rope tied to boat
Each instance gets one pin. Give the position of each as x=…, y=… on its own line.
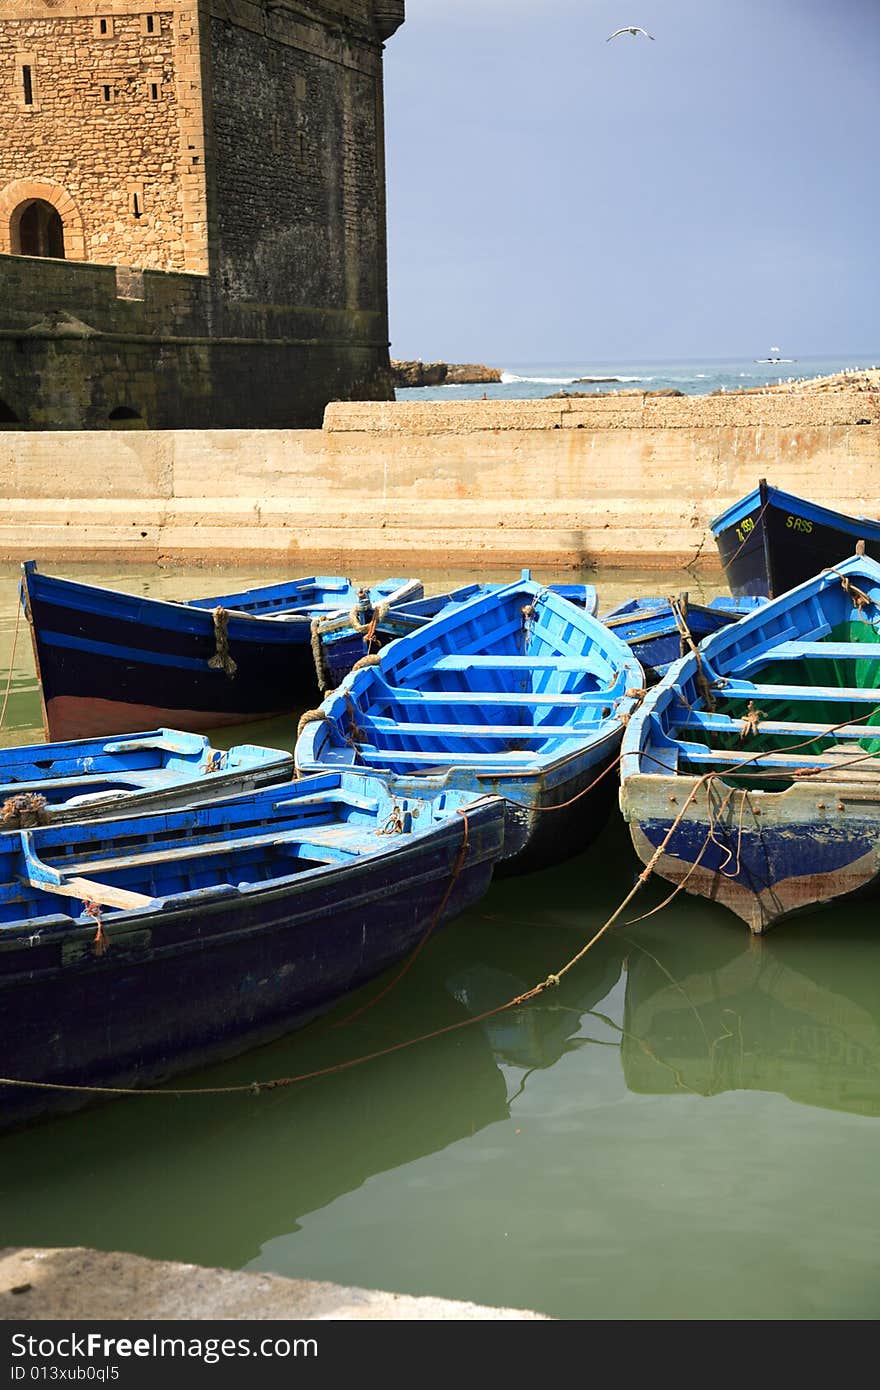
x=309, y=716
x=215, y=762
x=321, y=673
x=222, y=659
x=99, y=940
x=354, y=733
x=687, y=638
x=23, y=811
x=394, y=824
x=368, y=626
x=859, y=598
x=529, y=615
x=751, y=720
x=371, y=660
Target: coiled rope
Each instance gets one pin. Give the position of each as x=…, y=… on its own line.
x=222, y=659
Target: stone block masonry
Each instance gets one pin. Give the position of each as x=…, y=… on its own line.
x=557, y=485
x=237, y=150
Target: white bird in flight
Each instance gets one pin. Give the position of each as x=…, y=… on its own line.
x=633, y=29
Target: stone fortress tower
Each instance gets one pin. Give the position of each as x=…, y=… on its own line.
x=192, y=211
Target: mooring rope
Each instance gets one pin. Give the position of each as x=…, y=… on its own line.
x=24, y=810
x=222, y=659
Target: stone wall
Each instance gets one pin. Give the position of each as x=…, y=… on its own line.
x=223, y=137
x=100, y=114
x=299, y=187
x=559, y=485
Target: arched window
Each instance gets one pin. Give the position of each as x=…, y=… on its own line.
x=37, y=230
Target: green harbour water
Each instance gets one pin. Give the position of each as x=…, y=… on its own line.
x=687, y=1127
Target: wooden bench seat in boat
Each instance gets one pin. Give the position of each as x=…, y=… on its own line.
x=314, y=843
x=485, y=698
x=748, y=690
x=802, y=651
x=382, y=724
x=696, y=753
x=726, y=723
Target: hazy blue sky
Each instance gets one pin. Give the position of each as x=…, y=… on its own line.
x=556, y=197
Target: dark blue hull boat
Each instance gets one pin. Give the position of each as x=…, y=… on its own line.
x=43, y=783
x=657, y=629
x=517, y=693
x=770, y=540
x=751, y=773
x=343, y=644
x=110, y=662
x=213, y=929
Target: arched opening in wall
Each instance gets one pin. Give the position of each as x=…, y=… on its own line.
x=36, y=229
x=8, y=417
x=125, y=417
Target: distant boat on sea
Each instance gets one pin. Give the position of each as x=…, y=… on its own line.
x=774, y=357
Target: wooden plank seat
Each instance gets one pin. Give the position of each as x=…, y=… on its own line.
x=486, y=698
x=749, y=690
x=463, y=661
x=152, y=777
x=382, y=757
x=517, y=666
x=723, y=757
x=311, y=843
x=832, y=651
x=726, y=723
x=530, y=731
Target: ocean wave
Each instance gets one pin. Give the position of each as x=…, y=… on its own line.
x=510, y=379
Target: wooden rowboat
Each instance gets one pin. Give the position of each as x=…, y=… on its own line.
x=751, y=773
x=53, y=782
x=518, y=693
x=168, y=941
x=110, y=662
x=770, y=540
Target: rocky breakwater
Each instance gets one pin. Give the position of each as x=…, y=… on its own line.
x=443, y=374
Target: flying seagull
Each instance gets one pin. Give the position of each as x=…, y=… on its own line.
x=633, y=29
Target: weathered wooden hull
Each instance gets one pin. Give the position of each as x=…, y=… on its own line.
x=763, y=855
x=183, y=985
x=774, y=541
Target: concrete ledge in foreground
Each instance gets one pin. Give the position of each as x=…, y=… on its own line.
x=77, y=1285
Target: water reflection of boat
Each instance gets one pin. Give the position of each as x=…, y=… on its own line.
x=227, y=1174
x=784, y=1016
x=248, y=1170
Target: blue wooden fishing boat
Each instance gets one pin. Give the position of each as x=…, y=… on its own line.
x=660, y=630
x=517, y=692
x=110, y=662
x=750, y=775
x=171, y=940
x=344, y=640
x=770, y=540
x=42, y=783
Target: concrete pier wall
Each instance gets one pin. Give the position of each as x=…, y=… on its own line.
x=610, y=481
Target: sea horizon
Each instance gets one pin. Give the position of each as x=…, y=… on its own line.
x=691, y=376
